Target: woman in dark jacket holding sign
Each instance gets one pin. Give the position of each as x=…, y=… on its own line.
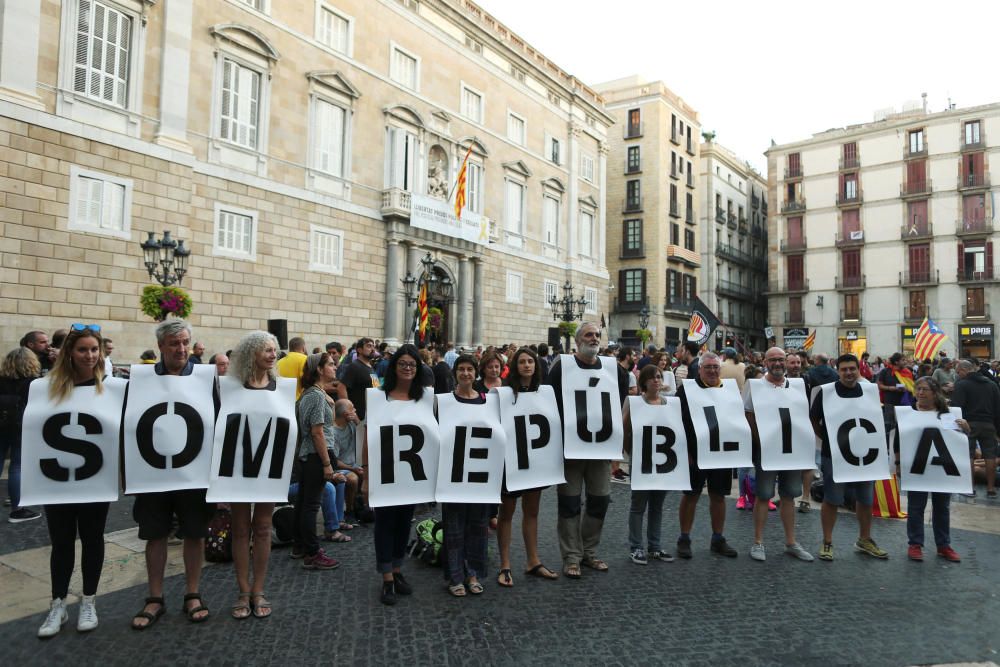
x=930, y=399
x=392, y=524
x=253, y=365
x=80, y=363
x=525, y=375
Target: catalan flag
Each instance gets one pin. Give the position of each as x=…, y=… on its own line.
x=810, y=341
x=422, y=306
x=928, y=340
x=460, y=185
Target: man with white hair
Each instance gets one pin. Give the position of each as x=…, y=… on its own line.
x=719, y=481
x=578, y=539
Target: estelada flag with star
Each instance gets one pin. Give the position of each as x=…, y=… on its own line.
x=703, y=323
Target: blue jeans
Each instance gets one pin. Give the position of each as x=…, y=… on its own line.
x=916, y=502
x=741, y=478
x=11, y=442
x=640, y=501
x=332, y=504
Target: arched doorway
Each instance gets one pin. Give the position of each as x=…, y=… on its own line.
x=440, y=298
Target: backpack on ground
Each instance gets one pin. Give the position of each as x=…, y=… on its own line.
x=219, y=542
x=283, y=525
x=428, y=543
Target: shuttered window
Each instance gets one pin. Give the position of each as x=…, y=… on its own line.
x=103, y=39
x=99, y=203
x=326, y=250
x=334, y=30
x=240, y=108
x=330, y=138
x=234, y=233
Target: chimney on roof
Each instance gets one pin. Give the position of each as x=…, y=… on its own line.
x=924, y=96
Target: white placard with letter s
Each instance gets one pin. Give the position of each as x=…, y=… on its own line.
x=69, y=450
x=256, y=436
x=592, y=412
x=787, y=441
x=169, y=429
x=403, y=449
x=534, y=456
x=720, y=425
x=932, y=457
x=659, y=446
x=470, y=466
x=856, y=433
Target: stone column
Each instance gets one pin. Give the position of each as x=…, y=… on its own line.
x=602, y=211
x=20, y=25
x=462, y=302
x=394, y=263
x=175, y=75
x=415, y=268
x=573, y=194
x=477, y=301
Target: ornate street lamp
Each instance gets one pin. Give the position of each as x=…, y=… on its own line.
x=567, y=308
x=644, y=316
x=165, y=259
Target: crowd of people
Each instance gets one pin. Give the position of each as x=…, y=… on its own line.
x=330, y=473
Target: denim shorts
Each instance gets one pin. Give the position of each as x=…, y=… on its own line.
x=834, y=493
x=789, y=483
x=985, y=435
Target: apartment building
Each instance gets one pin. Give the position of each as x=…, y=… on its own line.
x=305, y=151
x=652, y=221
x=876, y=226
x=733, y=228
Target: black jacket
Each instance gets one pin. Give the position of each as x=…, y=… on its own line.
x=979, y=399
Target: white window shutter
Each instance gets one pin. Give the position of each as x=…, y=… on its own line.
x=113, y=207
x=88, y=202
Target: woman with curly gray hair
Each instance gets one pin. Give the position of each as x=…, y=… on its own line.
x=253, y=364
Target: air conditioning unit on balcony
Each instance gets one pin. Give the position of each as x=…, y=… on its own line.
x=857, y=236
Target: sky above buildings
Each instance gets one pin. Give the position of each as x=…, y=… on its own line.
x=781, y=69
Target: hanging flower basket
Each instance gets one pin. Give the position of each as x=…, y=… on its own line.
x=434, y=319
x=644, y=335
x=159, y=302
x=567, y=329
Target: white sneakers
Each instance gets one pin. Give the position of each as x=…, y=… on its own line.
x=86, y=621
x=54, y=621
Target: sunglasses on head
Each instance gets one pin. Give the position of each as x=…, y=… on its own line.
x=96, y=328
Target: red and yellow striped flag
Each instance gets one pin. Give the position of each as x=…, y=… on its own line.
x=422, y=305
x=886, y=505
x=810, y=341
x=460, y=187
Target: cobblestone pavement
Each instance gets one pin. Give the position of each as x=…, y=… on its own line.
x=707, y=611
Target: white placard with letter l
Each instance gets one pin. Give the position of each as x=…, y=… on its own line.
x=169, y=429
x=534, y=453
x=720, y=425
x=403, y=449
x=69, y=450
x=856, y=433
x=470, y=466
x=932, y=457
x=255, y=443
x=592, y=412
x=787, y=441
x=659, y=446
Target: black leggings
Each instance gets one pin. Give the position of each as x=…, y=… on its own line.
x=65, y=521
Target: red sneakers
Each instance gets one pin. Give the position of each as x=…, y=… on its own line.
x=949, y=554
x=320, y=562
x=741, y=503
x=915, y=552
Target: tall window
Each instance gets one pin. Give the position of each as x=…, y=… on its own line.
x=586, y=233
x=633, y=199
x=587, y=167
x=850, y=155
x=916, y=217
x=673, y=200
x=975, y=302
x=334, y=30
x=850, y=189
x=689, y=239
x=972, y=135
x=675, y=234
x=794, y=165
x=472, y=104
x=916, y=138
x=402, y=158
x=633, y=288
x=632, y=237
x=474, y=187
x=516, y=129
x=851, y=266
x=918, y=304
x=689, y=207
x=553, y=150
x=330, y=127
x=634, y=123
x=550, y=220
x=972, y=260
x=514, y=208
x=103, y=39
x=632, y=163
x=796, y=277
x=550, y=292
x=404, y=68
x=515, y=287
x=852, y=306
x=240, y=108
x=920, y=262
x=590, y=296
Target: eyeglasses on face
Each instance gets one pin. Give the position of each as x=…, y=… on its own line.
x=406, y=365
x=96, y=328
